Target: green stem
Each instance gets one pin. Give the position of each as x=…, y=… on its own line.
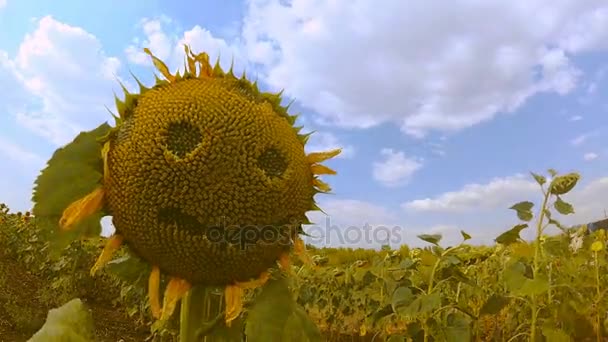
x=598, y=296
x=537, y=249
x=192, y=313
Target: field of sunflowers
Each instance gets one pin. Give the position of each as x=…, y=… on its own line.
x=550, y=289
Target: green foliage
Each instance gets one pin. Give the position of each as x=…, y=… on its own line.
x=549, y=289
x=72, y=172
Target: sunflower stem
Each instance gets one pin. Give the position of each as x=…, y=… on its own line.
x=192, y=313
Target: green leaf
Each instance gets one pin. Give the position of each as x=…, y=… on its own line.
x=465, y=236
x=458, y=328
x=493, y=305
x=552, y=172
x=511, y=235
x=555, y=335
x=275, y=316
x=72, y=173
x=540, y=179
x=423, y=304
x=536, y=286
x=70, y=322
x=513, y=276
x=563, y=207
x=402, y=297
x=430, y=238
x=130, y=269
x=524, y=210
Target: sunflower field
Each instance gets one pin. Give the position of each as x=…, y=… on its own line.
x=208, y=185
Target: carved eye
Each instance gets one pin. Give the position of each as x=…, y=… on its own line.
x=272, y=162
x=182, y=138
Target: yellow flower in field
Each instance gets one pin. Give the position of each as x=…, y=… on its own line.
x=206, y=178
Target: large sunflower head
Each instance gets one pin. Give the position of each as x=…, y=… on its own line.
x=205, y=177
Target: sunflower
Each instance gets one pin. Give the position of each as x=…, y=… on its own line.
x=205, y=177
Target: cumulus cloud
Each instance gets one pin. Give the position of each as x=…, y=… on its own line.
x=590, y=156
x=169, y=46
x=453, y=67
x=497, y=193
x=395, y=168
x=581, y=139
x=68, y=79
x=19, y=154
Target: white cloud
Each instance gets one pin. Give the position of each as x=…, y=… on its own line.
x=3, y=3
x=581, y=139
x=396, y=168
x=590, y=156
x=68, y=77
x=17, y=153
x=576, y=118
x=498, y=193
x=347, y=61
x=170, y=47
x=325, y=141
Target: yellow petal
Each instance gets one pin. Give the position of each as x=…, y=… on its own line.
x=82, y=208
x=234, y=302
x=317, y=157
x=176, y=289
x=104, y=157
x=154, y=291
x=234, y=295
x=321, y=185
x=161, y=66
x=191, y=62
x=252, y=284
x=319, y=169
x=300, y=250
x=112, y=245
x=285, y=263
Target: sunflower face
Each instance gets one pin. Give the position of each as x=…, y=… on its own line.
x=205, y=178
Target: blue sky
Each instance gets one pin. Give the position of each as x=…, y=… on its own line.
x=441, y=111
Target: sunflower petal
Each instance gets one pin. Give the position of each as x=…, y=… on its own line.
x=160, y=66
x=82, y=208
x=104, y=156
x=319, y=169
x=317, y=157
x=321, y=185
x=234, y=302
x=285, y=263
x=154, y=291
x=176, y=289
x=300, y=250
x=111, y=246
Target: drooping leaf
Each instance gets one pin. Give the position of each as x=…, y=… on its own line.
x=430, y=238
x=73, y=172
x=421, y=305
x=274, y=316
x=563, y=207
x=511, y=235
x=130, y=269
x=524, y=210
x=493, y=305
x=540, y=179
x=70, y=322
